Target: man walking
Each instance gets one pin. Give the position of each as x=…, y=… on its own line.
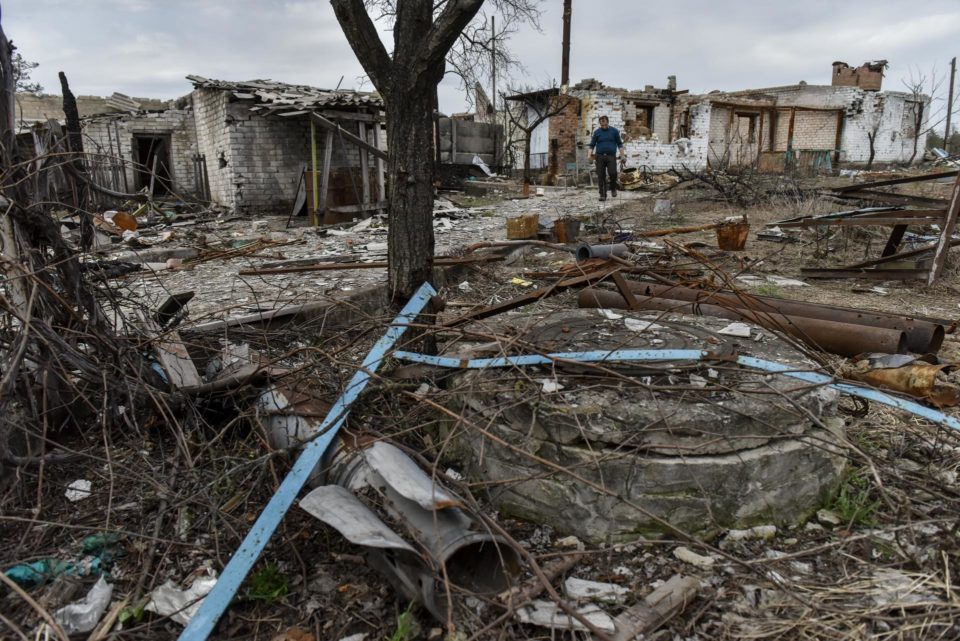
x=604, y=145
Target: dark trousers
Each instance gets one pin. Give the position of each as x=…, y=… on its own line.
x=607, y=169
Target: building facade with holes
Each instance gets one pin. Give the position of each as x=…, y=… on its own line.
x=801, y=127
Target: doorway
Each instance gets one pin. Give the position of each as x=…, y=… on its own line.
x=152, y=153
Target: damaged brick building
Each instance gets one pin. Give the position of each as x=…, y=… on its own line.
x=850, y=122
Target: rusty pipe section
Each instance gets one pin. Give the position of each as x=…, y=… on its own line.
x=923, y=337
x=363, y=484
x=843, y=339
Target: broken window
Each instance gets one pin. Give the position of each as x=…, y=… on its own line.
x=641, y=126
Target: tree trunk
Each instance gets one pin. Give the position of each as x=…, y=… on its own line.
x=526, y=158
x=916, y=131
x=410, y=163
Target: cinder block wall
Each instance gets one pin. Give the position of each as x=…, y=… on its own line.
x=176, y=123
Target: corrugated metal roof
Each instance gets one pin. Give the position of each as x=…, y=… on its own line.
x=276, y=97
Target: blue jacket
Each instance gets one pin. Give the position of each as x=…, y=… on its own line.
x=606, y=141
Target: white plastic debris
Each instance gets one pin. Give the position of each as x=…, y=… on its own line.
x=464, y=286
x=180, y=605
x=548, y=614
x=609, y=314
x=359, y=636
x=83, y=615
x=79, y=490
x=697, y=381
x=758, y=533
x=478, y=161
x=549, y=385
x=583, y=590
x=687, y=555
x=635, y=325
x=453, y=474
x=736, y=329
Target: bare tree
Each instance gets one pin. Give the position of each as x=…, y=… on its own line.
x=537, y=106
x=407, y=78
x=873, y=128
x=920, y=96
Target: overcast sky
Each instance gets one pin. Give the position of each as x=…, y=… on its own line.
x=146, y=47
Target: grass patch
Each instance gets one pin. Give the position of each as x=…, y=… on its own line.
x=854, y=502
x=268, y=584
x=768, y=289
x=407, y=627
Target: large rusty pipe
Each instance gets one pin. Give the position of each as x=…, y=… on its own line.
x=923, y=337
x=843, y=339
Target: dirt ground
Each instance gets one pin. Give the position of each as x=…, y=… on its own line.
x=173, y=495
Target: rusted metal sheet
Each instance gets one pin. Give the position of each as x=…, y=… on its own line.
x=916, y=378
x=923, y=336
x=830, y=336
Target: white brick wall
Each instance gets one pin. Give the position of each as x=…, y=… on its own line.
x=178, y=124
x=888, y=111
x=654, y=154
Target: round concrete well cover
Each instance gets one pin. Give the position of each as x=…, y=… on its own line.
x=608, y=451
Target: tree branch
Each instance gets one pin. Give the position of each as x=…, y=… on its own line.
x=447, y=28
x=365, y=41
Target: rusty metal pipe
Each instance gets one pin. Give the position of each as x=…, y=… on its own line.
x=843, y=339
x=923, y=337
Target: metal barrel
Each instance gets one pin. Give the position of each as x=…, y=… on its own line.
x=844, y=339
x=923, y=336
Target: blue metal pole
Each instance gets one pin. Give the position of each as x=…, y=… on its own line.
x=679, y=355
x=213, y=606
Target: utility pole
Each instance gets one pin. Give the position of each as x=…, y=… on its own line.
x=946, y=133
x=565, y=62
x=493, y=64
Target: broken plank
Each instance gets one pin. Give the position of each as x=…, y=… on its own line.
x=946, y=235
x=348, y=115
x=172, y=355
x=347, y=136
x=897, y=181
x=356, y=209
x=625, y=290
x=658, y=607
x=440, y=262
x=530, y=297
x=868, y=274
x=895, y=257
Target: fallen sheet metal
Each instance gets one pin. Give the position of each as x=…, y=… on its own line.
x=446, y=536
x=340, y=509
x=202, y=624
